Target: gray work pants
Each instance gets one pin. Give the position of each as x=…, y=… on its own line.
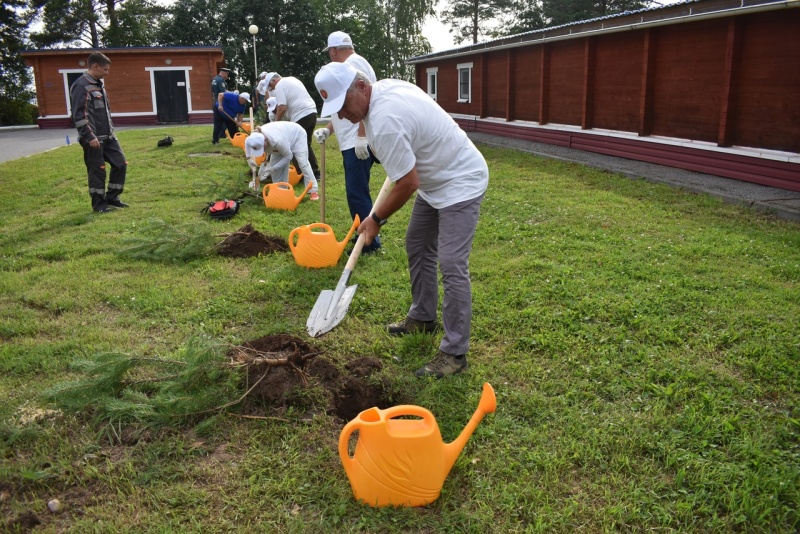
x=443, y=236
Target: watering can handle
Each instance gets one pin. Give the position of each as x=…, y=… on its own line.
x=344, y=439
x=409, y=409
x=294, y=233
x=316, y=226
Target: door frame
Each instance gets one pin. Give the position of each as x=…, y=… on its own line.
x=186, y=70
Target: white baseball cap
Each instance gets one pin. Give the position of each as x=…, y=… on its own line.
x=262, y=74
x=272, y=102
x=338, y=39
x=246, y=96
x=254, y=145
x=269, y=76
x=332, y=81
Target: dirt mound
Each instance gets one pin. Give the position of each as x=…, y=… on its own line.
x=247, y=241
x=285, y=371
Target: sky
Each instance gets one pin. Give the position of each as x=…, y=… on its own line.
x=437, y=34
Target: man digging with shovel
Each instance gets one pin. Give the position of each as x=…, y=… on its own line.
x=424, y=151
x=232, y=107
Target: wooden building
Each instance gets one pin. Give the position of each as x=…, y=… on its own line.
x=146, y=85
x=711, y=86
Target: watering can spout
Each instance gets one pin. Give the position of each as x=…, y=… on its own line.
x=487, y=404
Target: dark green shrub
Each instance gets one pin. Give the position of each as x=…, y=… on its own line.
x=17, y=112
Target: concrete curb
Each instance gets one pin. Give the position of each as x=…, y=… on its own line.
x=782, y=203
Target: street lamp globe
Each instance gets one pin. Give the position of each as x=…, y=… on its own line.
x=253, y=29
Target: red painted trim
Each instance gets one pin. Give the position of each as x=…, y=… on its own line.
x=781, y=174
x=128, y=120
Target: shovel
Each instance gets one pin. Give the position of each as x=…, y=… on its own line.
x=331, y=306
x=234, y=120
x=322, y=185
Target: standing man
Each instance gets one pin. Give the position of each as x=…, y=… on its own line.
x=231, y=107
x=92, y=117
x=218, y=86
x=356, y=155
x=261, y=90
x=294, y=101
x=422, y=150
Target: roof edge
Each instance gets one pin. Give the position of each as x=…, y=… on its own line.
x=692, y=10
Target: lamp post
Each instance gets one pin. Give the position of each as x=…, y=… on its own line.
x=253, y=29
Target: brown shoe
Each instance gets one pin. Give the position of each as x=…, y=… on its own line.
x=412, y=326
x=443, y=365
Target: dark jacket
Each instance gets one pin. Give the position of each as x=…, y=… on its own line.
x=90, y=109
x=218, y=86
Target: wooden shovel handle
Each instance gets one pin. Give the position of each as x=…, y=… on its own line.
x=351, y=263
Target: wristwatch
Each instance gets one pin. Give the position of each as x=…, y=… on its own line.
x=378, y=220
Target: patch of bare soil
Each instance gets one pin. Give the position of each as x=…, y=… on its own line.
x=284, y=371
x=247, y=242
x=24, y=522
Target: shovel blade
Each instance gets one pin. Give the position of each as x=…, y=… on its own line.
x=317, y=323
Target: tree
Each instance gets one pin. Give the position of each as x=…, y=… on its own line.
x=15, y=78
x=558, y=12
x=472, y=19
x=289, y=40
x=96, y=23
x=14, y=19
x=527, y=15
x=385, y=32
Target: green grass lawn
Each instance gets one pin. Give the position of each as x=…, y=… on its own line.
x=644, y=344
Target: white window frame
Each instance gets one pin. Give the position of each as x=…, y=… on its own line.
x=464, y=98
x=433, y=80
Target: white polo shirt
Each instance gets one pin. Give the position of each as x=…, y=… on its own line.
x=291, y=92
x=405, y=127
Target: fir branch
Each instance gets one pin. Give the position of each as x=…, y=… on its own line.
x=161, y=241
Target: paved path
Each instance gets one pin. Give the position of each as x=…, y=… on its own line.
x=25, y=141
x=783, y=203
x=21, y=141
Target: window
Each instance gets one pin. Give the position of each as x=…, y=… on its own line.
x=432, y=78
x=464, y=82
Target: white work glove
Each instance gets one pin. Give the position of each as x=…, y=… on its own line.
x=264, y=172
x=362, y=148
x=253, y=186
x=321, y=135
x=271, y=116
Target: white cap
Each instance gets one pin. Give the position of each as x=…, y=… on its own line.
x=269, y=76
x=254, y=145
x=246, y=96
x=262, y=75
x=338, y=39
x=272, y=102
x=332, y=81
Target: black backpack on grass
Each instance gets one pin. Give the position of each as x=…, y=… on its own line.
x=222, y=209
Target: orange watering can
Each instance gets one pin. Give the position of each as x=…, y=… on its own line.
x=403, y=462
x=294, y=176
x=315, y=245
x=238, y=140
x=281, y=196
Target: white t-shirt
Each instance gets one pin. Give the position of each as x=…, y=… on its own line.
x=284, y=140
x=405, y=127
x=291, y=92
x=262, y=87
x=346, y=132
